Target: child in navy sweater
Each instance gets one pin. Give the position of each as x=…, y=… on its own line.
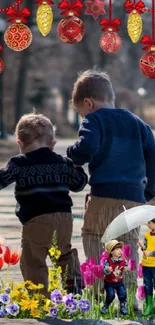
x=120, y=150
x=43, y=180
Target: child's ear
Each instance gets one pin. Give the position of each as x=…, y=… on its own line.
x=89, y=103
x=20, y=144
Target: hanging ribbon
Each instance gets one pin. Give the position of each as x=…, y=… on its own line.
x=49, y=2
x=114, y=24
x=70, y=7
x=139, y=7
x=18, y=14
x=148, y=42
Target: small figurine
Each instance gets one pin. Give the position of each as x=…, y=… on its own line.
x=148, y=264
x=114, y=267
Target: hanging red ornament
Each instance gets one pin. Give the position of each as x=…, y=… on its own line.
x=95, y=8
x=147, y=61
x=1, y=61
x=110, y=41
x=18, y=36
x=147, y=64
x=71, y=29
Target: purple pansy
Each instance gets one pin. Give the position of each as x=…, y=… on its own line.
x=84, y=305
x=54, y=312
x=4, y=298
x=3, y=311
x=56, y=297
x=12, y=309
x=70, y=302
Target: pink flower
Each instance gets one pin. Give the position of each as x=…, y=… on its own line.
x=141, y=292
x=103, y=257
x=132, y=265
x=92, y=261
x=127, y=251
x=140, y=270
x=83, y=268
x=98, y=271
x=89, y=278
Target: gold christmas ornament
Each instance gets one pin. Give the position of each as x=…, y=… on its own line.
x=134, y=26
x=44, y=18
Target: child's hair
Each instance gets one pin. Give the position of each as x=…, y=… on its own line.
x=153, y=220
x=93, y=83
x=34, y=126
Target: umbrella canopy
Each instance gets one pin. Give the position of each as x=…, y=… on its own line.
x=128, y=220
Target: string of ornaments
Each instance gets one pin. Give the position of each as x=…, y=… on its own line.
x=70, y=29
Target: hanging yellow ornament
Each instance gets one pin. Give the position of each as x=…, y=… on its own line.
x=134, y=26
x=44, y=16
x=135, y=23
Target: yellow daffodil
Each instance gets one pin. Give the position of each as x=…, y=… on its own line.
x=35, y=313
x=57, y=254
x=52, y=251
x=47, y=305
x=25, y=304
x=15, y=294
x=21, y=285
x=32, y=286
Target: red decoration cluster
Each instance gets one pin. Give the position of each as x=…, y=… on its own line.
x=18, y=14
x=71, y=29
x=147, y=64
x=139, y=7
x=95, y=8
x=69, y=6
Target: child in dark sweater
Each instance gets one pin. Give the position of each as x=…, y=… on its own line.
x=120, y=150
x=43, y=180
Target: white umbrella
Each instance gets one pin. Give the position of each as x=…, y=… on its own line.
x=128, y=220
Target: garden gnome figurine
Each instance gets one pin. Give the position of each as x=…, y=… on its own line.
x=114, y=266
x=148, y=264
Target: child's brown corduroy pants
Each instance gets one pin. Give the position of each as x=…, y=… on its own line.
x=37, y=238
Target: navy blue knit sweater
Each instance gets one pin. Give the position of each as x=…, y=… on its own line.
x=120, y=150
x=43, y=180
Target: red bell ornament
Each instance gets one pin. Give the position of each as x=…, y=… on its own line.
x=71, y=30
x=110, y=42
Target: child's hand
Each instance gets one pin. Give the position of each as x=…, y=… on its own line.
x=146, y=253
x=140, y=243
x=125, y=269
x=109, y=269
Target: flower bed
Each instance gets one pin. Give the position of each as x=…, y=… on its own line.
x=25, y=300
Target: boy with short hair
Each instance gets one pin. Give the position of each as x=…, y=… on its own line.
x=120, y=150
x=114, y=266
x=43, y=180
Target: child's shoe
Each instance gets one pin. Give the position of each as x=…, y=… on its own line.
x=123, y=309
x=105, y=308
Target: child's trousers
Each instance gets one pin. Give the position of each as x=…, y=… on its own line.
x=100, y=212
x=37, y=238
x=149, y=280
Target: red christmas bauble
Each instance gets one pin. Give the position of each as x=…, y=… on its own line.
x=110, y=42
x=147, y=64
x=71, y=30
x=18, y=37
x=1, y=65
